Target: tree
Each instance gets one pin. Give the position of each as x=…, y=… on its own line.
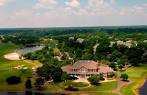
x=50, y=71
x=103, y=49
x=113, y=66
x=144, y=57
x=121, y=64
x=28, y=84
x=87, y=56
x=57, y=76
x=65, y=76
x=124, y=77
x=101, y=77
x=115, y=55
x=134, y=55
x=94, y=80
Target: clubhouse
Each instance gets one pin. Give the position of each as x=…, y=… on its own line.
x=87, y=68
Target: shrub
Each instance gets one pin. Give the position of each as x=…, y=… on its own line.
x=13, y=80
x=94, y=80
x=101, y=77
x=71, y=88
x=124, y=77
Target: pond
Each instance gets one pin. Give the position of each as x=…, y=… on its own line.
x=143, y=89
x=26, y=93
x=26, y=50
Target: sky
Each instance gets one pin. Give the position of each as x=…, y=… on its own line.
x=72, y=13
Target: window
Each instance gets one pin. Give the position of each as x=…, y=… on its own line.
x=83, y=69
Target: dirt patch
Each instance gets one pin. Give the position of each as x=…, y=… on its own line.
x=12, y=56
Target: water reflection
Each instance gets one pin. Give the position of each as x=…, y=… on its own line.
x=37, y=93
x=28, y=93
x=143, y=89
x=26, y=50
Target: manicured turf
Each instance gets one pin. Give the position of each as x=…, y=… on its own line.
x=102, y=87
x=4, y=49
x=136, y=74
x=75, y=84
x=104, y=93
x=7, y=69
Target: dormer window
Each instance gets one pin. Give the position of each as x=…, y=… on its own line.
x=83, y=69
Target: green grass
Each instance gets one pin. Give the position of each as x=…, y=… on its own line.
x=104, y=93
x=75, y=84
x=7, y=69
x=4, y=49
x=89, y=93
x=102, y=87
x=136, y=74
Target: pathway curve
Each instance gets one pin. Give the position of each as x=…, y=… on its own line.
x=120, y=84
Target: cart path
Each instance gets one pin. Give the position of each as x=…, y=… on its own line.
x=120, y=84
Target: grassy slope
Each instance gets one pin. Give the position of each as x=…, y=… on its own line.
x=6, y=69
x=136, y=74
x=102, y=87
x=75, y=84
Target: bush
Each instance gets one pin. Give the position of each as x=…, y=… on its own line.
x=13, y=80
x=101, y=77
x=94, y=80
x=71, y=88
x=124, y=77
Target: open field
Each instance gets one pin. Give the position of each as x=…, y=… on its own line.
x=9, y=68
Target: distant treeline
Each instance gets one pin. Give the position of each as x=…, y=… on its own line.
x=29, y=36
x=71, y=30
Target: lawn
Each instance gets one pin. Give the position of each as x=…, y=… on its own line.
x=102, y=87
x=4, y=49
x=136, y=75
x=75, y=84
x=7, y=69
x=104, y=93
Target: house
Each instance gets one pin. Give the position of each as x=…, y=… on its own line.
x=87, y=68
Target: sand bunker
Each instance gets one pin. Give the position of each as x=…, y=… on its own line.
x=12, y=56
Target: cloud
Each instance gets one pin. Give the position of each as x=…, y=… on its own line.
x=45, y=4
x=135, y=10
x=72, y=4
x=90, y=13
x=101, y=7
x=4, y=2
x=23, y=13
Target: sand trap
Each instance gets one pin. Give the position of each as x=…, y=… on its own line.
x=12, y=56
